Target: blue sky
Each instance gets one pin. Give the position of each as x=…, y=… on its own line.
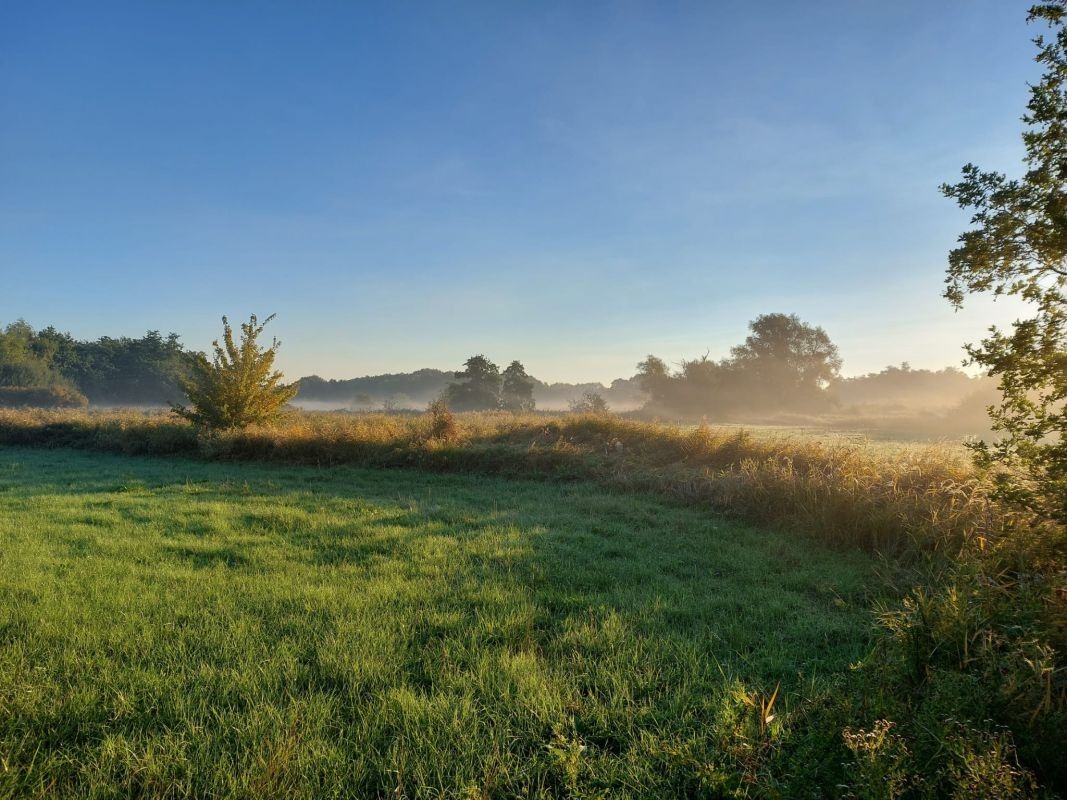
x=570, y=184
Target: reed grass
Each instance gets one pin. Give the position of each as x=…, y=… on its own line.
x=892, y=498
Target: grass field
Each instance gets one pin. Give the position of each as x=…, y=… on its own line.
x=846, y=491
x=170, y=628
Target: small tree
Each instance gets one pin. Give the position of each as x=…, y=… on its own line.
x=239, y=386
x=517, y=394
x=1018, y=246
x=480, y=386
x=589, y=403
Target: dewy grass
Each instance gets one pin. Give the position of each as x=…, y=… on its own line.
x=170, y=628
x=891, y=498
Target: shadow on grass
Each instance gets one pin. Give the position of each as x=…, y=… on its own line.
x=403, y=629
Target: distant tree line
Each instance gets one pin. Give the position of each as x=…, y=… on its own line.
x=416, y=389
x=905, y=387
x=785, y=364
x=128, y=371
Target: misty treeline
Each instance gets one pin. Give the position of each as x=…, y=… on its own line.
x=416, y=389
x=785, y=364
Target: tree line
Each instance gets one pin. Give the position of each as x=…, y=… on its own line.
x=122, y=371
x=784, y=365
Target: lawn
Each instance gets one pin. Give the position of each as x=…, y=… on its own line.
x=173, y=628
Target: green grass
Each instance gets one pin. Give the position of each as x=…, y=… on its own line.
x=170, y=628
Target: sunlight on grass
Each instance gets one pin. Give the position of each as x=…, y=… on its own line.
x=177, y=628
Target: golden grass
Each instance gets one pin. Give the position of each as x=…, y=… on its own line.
x=890, y=497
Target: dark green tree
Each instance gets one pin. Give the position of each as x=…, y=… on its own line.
x=1018, y=247
x=479, y=387
x=517, y=392
x=239, y=385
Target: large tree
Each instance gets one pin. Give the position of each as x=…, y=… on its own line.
x=1018, y=247
x=655, y=379
x=479, y=386
x=239, y=385
x=517, y=392
x=786, y=361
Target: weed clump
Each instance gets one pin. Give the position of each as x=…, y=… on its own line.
x=443, y=426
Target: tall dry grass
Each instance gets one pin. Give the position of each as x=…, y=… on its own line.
x=879, y=496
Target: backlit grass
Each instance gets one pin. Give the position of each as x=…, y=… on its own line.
x=892, y=498
x=171, y=628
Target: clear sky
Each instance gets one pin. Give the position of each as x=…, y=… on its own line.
x=573, y=184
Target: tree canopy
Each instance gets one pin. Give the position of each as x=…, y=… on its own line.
x=517, y=390
x=124, y=370
x=478, y=388
x=1018, y=247
x=785, y=354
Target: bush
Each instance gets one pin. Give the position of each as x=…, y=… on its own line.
x=589, y=403
x=442, y=421
x=58, y=396
x=239, y=386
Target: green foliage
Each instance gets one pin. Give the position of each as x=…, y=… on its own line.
x=239, y=386
x=21, y=365
x=121, y=371
x=125, y=370
x=1018, y=247
x=879, y=770
x=517, y=391
x=30, y=373
x=479, y=389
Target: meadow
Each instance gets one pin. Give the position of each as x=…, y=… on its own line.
x=176, y=629
x=496, y=605
x=844, y=489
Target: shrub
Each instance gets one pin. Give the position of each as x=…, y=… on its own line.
x=239, y=386
x=57, y=396
x=589, y=403
x=442, y=421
